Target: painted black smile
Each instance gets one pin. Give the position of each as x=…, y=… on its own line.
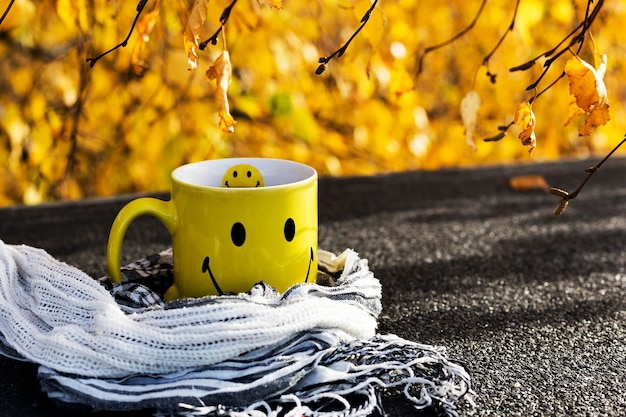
x=308, y=271
x=207, y=268
x=258, y=184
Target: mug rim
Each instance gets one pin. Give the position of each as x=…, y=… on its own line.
x=310, y=174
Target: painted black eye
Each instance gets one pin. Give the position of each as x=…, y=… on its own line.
x=234, y=174
x=249, y=174
x=290, y=229
x=238, y=234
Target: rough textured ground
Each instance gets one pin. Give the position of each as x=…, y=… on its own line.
x=534, y=306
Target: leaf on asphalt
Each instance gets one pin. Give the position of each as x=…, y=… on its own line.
x=194, y=25
x=525, y=120
x=469, y=114
x=528, y=183
x=587, y=86
x=221, y=71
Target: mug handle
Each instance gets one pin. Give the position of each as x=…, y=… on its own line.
x=165, y=211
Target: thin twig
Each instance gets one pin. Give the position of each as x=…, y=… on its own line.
x=583, y=27
x=556, y=80
x=451, y=40
x=323, y=61
x=140, y=7
x=223, y=19
x=554, y=53
x=495, y=48
x=6, y=11
x=566, y=197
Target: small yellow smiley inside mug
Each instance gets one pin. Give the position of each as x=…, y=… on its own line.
x=234, y=222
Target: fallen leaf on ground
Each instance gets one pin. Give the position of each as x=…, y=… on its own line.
x=528, y=183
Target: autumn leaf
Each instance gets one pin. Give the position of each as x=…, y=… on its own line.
x=469, y=113
x=525, y=120
x=220, y=71
x=587, y=86
x=144, y=29
x=191, y=37
x=528, y=183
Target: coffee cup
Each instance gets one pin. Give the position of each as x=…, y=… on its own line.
x=234, y=222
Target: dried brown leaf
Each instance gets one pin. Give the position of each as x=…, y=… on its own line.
x=194, y=25
x=528, y=183
x=221, y=71
x=525, y=119
x=587, y=86
x=144, y=28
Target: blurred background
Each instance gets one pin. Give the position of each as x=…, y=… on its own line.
x=70, y=131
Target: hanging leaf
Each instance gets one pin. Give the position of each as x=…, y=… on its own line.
x=525, y=119
x=220, y=71
x=587, y=86
x=144, y=29
x=469, y=114
x=194, y=25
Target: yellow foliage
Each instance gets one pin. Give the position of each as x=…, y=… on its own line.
x=73, y=12
x=68, y=130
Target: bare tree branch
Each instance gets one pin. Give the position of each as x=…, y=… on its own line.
x=6, y=11
x=567, y=197
x=323, y=61
x=140, y=7
x=577, y=35
x=451, y=40
x=495, y=48
x=223, y=19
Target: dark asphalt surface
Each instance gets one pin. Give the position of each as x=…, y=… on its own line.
x=534, y=306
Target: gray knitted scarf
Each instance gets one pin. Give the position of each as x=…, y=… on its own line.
x=311, y=351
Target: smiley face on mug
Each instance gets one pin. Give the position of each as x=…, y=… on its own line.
x=239, y=235
x=260, y=239
x=234, y=222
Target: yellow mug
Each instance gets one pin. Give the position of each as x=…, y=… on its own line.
x=234, y=222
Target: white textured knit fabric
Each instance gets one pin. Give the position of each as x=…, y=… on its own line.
x=311, y=351
x=56, y=315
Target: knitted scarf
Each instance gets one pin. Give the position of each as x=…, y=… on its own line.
x=311, y=351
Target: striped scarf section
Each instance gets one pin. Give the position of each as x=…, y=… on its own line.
x=311, y=351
